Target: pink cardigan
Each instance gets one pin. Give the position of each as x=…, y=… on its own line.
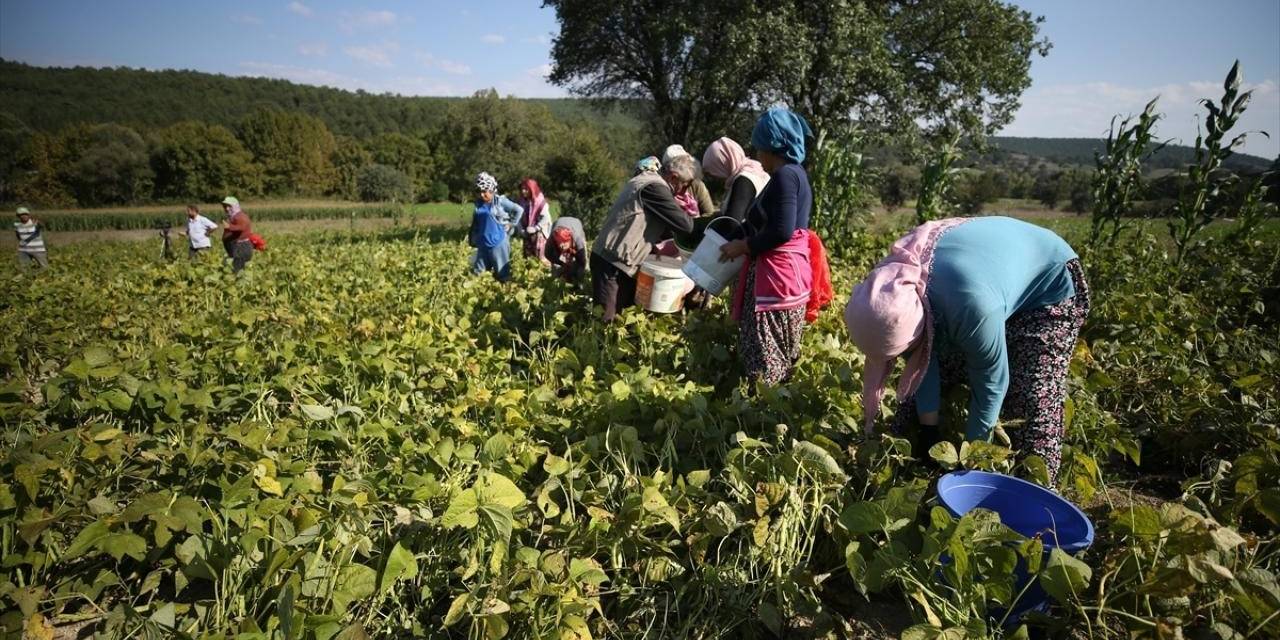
x=784, y=277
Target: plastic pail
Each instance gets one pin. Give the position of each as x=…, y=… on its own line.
x=704, y=266
x=1025, y=507
x=661, y=284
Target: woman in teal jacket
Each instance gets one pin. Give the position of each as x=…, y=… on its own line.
x=993, y=302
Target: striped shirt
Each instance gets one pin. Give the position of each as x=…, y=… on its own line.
x=29, y=238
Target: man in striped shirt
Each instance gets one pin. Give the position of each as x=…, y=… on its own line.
x=30, y=240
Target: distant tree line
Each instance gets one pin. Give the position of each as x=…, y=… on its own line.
x=275, y=152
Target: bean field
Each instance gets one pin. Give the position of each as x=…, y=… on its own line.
x=356, y=439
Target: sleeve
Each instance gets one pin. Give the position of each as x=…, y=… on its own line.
x=657, y=202
x=987, y=367
x=929, y=395
x=511, y=210
x=544, y=221
x=210, y=225
x=741, y=195
x=706, y=206
x=235, y=224
x=781, y=203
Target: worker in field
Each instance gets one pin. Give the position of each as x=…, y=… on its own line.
x=643, y=215
x=695, y=199
x=566, y=251
x=491, y=226
x=31, y=249
x=535, y=222
x=992, y=302
x=775, y=283
x=198, y=229
x=236, y=233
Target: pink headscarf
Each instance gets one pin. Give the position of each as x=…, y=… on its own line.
x=725, y=159
x=888, y=314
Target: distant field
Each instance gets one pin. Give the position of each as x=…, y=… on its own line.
x=151, y=217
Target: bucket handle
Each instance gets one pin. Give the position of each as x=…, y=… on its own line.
x=727, y=218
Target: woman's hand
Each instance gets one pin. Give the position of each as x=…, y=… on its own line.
x=732, y=250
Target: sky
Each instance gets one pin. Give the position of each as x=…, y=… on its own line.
x=1108, y=57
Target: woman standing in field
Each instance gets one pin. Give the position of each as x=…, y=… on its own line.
x=743, y=177
x=535, y=224
x=774, y=286
x=235, y=235
x=993, y=302
x=490, y=226
x=643, y=214
x=695, y=199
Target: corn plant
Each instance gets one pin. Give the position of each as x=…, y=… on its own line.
x=1194, y=211
x=1117, y=182
x=842, y=186
x=936, y=182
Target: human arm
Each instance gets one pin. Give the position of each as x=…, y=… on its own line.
x=659, y=204
x=987, y=368
x=929, y=394
x=508, y=211
x=781, y=203
x=741, y=194
x=700, y=192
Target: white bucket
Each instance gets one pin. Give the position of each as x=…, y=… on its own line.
x=661, y=284
x=705, y=268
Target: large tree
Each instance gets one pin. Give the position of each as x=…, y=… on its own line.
x=293, y=149
x=195, y=160
x=902, y=69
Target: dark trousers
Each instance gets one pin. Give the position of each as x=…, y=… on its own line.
x=611, y=287
x=240, y=252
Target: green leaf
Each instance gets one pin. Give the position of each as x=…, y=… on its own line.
x=1064, y=577
x=945, y=454
x=457, y=609
x=316, y=411
x=88, y=538
x=97, y=357
x=120, y=545
x=401, y=565
x=720, y=519
x=554, y=465
x=462, y=511
x=586, y=571
x=863, y=517
x=816, y=460
x=355, y=582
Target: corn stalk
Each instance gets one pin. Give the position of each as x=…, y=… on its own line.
x=936, y=181
x=1118, y=179
x=1193, y=212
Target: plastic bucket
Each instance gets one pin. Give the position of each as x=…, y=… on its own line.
x=661, y=284
x=1025, y=507
x=704, y=266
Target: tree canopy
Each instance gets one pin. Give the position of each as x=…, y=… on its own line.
x=903, y=69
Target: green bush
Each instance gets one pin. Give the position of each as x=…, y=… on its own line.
x=380, y=183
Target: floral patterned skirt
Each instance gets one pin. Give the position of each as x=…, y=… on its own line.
x=1040, y=343
x=768, y=341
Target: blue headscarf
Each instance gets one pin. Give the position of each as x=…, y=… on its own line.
x=781, y=131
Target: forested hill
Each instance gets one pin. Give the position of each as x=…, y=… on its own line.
x=1080, y=151
x=47, y=99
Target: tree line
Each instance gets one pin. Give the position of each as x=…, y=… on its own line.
x=275, y=152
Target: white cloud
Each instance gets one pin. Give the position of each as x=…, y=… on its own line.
x=1085, y=111
x=448, y=66
x=367, y=20
x=312, y=49
x=538, y=39
x=540, y=71
x=300, y=9
x=378, y=55
x=493, y=38
x=247, y=19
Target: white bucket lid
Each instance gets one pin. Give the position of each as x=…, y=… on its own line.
x=664, y=266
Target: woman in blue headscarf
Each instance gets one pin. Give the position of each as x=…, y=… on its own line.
x=774, y=286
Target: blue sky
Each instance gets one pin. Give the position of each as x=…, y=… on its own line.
x=1108, y=57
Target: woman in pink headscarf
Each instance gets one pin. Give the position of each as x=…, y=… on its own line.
x=992, y=303
x=743, y=177
x=535, y=224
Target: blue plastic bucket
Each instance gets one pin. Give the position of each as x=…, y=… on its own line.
x=1025, y=507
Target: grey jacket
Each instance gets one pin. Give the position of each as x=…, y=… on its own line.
x=641, y=217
